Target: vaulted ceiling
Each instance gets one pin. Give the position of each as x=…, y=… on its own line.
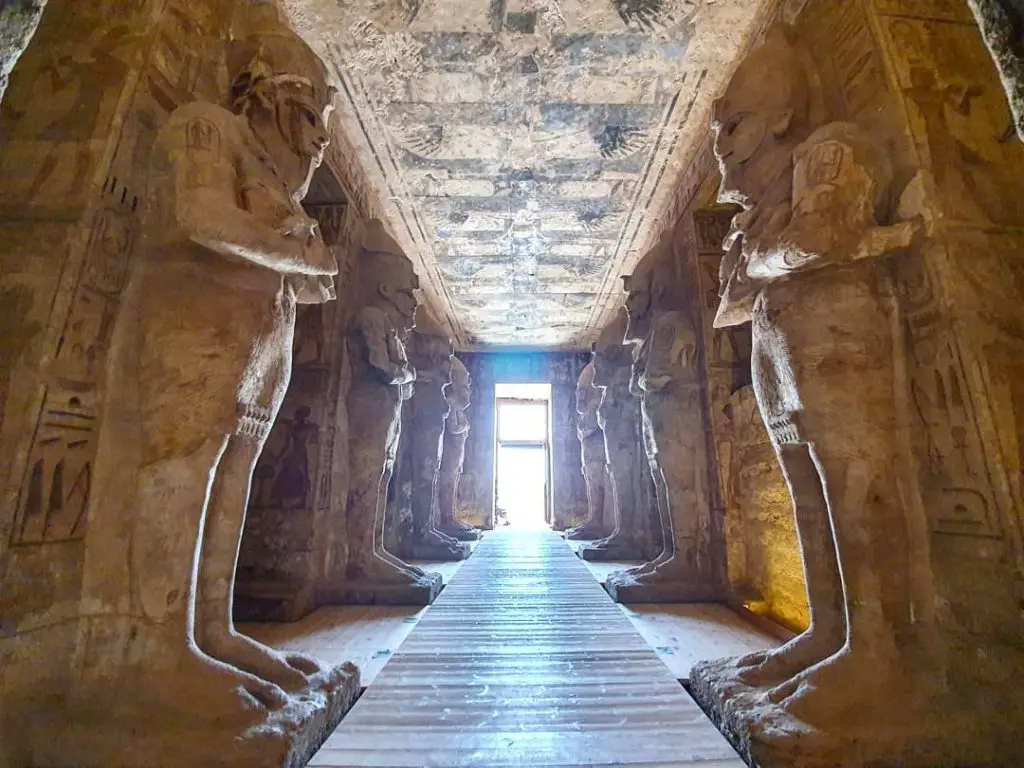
x=524, y=148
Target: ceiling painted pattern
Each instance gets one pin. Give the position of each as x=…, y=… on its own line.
x=525, y=147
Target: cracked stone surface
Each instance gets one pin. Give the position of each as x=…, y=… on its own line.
x=527, y=147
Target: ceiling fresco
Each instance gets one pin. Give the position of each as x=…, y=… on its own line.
x=523, y=148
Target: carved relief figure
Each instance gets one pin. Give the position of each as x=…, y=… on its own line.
x=381, y=379
x=665, y=378
x=205, y=342
x=633, y=537
x=291, y=486
x=456, y=431
x=595, y=462
x=804, y=266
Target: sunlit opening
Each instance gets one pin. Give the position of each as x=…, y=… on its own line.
x=522, y=455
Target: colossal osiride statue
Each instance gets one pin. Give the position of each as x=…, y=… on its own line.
x=430, y=351
x=636, y=534
x=666, y=379
x=202, y=359
x=600, y=520
x=808, y=266
x=456, y=431
x=381, y=380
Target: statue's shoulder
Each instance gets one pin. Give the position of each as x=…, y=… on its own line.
x=371, y=320
x=833, y=149
x=200, y=126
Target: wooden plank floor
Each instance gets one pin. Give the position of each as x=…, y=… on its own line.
x=524, y=660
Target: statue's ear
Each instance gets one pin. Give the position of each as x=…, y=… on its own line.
x=384, y=290
x=782, y=122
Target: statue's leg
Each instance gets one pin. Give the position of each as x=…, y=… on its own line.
x=215, y=631
x=371, y=458
x=872, y=544
x=827, y=630
x=173, y=506
x=593, y=481
x=668, y=546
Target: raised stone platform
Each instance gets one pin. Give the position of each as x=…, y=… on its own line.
x=662, y=590
x=147, y=737
x=370, y=593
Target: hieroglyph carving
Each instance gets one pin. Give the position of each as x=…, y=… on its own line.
x=56, y=488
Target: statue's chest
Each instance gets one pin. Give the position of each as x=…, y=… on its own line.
x=262, y=191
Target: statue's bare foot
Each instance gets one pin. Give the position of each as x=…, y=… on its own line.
x=202, y=683
x=380, y=571
x=414, y=571
x=845, y=685
x=775, y=665
x=583, y=532
x=243, y=652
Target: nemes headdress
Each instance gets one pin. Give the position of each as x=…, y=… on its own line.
x=263, y=49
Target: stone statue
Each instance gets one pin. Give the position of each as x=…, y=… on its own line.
x=634, y=536
x=600, y=512
x=204, y=346
x=665, y=377
x=430, y=352
x=381, y=379
x=805, y=265
x=456, y=430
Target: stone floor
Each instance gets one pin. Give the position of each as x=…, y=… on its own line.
x=523, y=660
x=366, y=635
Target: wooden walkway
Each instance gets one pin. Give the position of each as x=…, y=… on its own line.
x=524, y=660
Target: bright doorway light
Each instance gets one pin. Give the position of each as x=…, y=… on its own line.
x=522, y=455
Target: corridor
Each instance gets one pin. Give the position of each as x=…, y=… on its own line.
x=525, y=661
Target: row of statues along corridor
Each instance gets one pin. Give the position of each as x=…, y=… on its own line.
x=902, y=664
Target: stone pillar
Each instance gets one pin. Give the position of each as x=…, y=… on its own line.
x=600, y=520
x=917, y=367
x=456, y=430
x=637, y=530
x=416, y=535
x=280, y=562
x=667, y=376
x=132, y=406
x=381, y=380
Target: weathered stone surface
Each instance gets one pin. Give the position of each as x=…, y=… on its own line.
x=456, y=430
x=171, y=365
x=534, y=177
x=668, y=381
x=637, y=530
x=18, y=22
x=600, y=521
x=1002, y=26
x=840, y=261
x=414, y=509
x=381, y=380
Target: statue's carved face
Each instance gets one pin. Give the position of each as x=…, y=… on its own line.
x=638, y=307
x=288, y=105
x=740, y=133
x=759, y=120
x=399, y=288
x=459, y=391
